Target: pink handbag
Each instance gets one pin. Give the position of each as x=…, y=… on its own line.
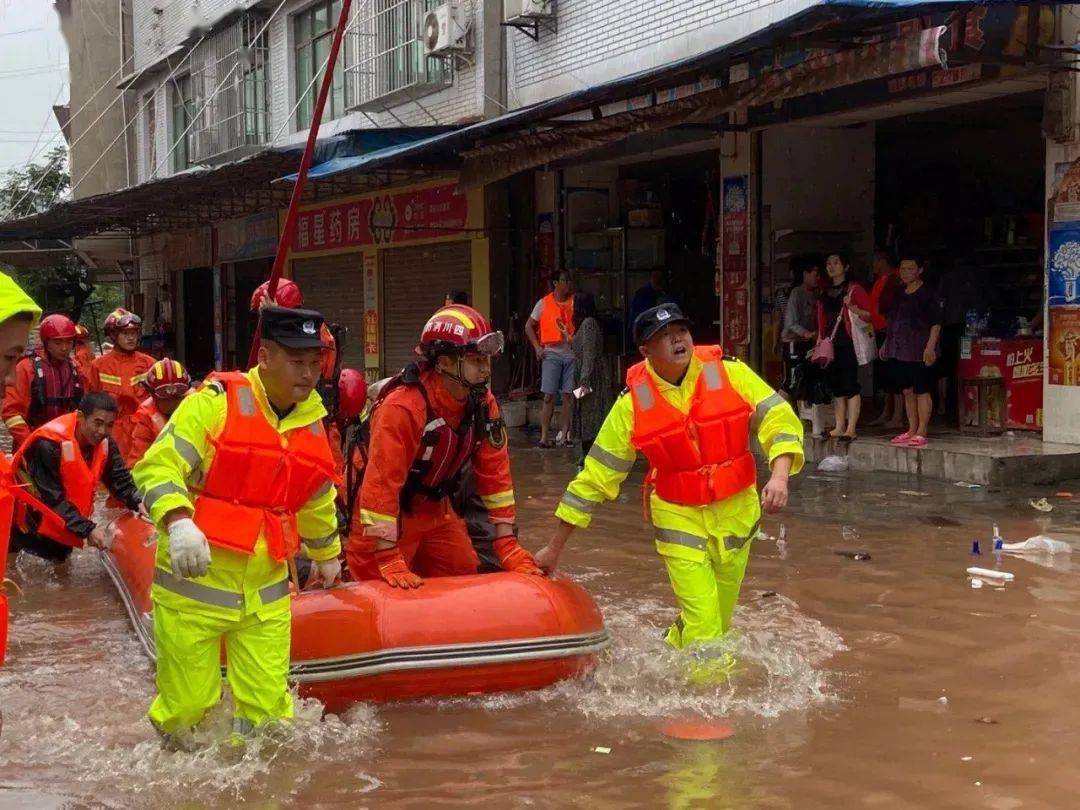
x=823, y=352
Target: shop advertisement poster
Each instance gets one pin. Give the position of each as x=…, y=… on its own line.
x=1063, y=344
x=1063, y=264
x=735, y=262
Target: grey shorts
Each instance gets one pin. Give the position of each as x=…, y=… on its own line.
x=556, y=374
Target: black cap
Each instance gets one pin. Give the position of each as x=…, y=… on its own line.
x=651, y=321
x=293, y=328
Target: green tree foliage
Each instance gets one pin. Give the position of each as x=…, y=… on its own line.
x=66, y=286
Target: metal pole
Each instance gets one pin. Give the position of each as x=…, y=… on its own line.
x=289, y=228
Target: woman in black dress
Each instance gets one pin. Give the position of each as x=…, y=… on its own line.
x=841, y=298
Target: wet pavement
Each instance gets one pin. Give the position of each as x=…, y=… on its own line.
x=879, y=682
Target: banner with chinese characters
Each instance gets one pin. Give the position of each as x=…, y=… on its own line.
x=734, y=260
x=371, y=312
x=385, y=218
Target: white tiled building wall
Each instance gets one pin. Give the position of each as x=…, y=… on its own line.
x=600, y=40
x=155, y=35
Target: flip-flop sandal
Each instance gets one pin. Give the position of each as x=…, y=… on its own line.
x=546, y=445
x=901, y=440
x=918, y=441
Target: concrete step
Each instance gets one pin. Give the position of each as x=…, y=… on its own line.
x=994, y=462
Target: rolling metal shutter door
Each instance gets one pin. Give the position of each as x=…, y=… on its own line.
x=334, y=285
x=415, y=283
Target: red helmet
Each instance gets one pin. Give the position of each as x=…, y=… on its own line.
x=57, y=327
x=120, y=320
x=81, y=332
x=459, y=329
x=167, y=378
x=286, y=295
x=352, y=394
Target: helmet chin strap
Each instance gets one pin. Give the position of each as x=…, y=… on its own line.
x=476, y=390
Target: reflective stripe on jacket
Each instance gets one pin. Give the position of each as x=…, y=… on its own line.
x=679, y=530
x=172, y=474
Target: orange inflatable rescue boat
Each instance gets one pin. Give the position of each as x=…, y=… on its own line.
x=367, y=641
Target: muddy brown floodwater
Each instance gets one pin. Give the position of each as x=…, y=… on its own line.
x=880, y=682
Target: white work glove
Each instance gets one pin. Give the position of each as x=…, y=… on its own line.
x=328, y=571
x=188, y=549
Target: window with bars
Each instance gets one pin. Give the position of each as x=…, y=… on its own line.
x=313, y=31
x=388, y=64
x=183, y=109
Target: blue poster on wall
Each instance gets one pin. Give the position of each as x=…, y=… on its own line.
x=1063, y=264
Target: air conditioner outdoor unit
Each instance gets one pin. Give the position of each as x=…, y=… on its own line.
x=443, y=33
x=528, y=9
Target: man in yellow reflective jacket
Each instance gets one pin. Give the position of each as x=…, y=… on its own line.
x=690, y=411
x=239, y=480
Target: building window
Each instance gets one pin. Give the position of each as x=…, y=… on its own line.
x=313, y=31
x=183, y=110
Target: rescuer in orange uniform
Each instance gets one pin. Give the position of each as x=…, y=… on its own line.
x=47, y=382
x=169, y=383
x=84, y=354
x=427, y=422
x=62, y=462
x=121, y=373
x=18, y=313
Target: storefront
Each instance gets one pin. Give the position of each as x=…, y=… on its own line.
x=379, y=264
x=245, y=248
x=941, y=163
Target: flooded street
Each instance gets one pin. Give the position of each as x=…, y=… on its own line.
x=880, y=682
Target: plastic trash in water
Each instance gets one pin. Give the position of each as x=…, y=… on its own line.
x=976, y=583
x=966, y=485
x=833, y=464
x=849, y=533
x=975, y=547
x=990, y=574
x=1040, y=543
x=1041, y=504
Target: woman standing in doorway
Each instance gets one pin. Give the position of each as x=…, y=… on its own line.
x=593, y=374
x=842, y=298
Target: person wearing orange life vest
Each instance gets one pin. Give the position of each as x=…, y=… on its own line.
x=238, y=484
x=63, y=462
x=550, y=330
x=690, y=411
x=18, y=314
x=121, y=372
x=288, y=294
x=427, y=423
x=47, y=382
x=169, y=383
x=84, y=353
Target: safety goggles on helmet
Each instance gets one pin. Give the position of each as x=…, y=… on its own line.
x=490, y=345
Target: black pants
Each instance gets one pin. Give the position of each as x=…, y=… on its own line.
x=39, y=546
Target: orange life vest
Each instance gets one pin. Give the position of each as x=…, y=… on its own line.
x=551, y=314
x=259, y=478
x=78, y=478
x=700, y=457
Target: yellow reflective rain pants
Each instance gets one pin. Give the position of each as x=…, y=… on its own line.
x=189, y=668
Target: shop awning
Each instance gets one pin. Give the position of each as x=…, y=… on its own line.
x=691, y=91
x=204, y=196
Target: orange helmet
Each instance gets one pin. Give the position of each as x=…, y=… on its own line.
x=81, y=333
x=459, y=329
x=57, y=327
x=352, y=394
x=287, y=294
x=120, y=320
x=168, y=379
